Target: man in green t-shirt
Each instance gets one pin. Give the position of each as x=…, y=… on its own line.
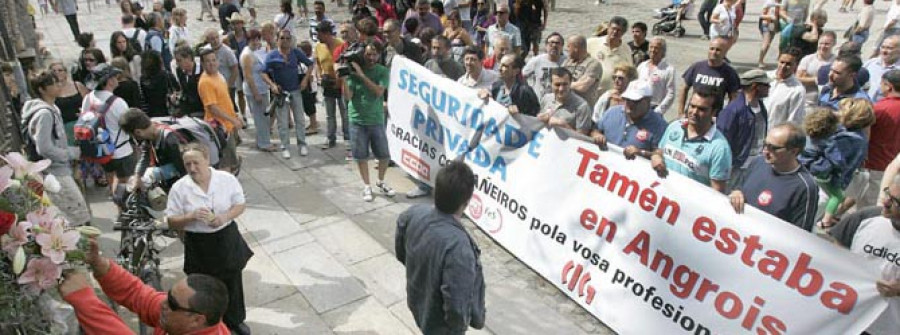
x=364, y=88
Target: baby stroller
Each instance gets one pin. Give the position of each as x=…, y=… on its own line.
x=670, y=18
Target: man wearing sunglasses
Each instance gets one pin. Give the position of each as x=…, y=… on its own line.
x=194, y=305
x=874, y=232
x=776, y=183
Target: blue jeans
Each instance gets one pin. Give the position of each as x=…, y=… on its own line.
x=331, y=104
x=260, y=120
x=296, y=109
x=364, y=137
x=860, y=38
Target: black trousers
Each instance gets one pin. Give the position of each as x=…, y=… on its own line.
x=73, y=24
x=223, y=255
x=236, y=312
x=705, y=14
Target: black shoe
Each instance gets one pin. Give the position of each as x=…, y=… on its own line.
x=241, y=329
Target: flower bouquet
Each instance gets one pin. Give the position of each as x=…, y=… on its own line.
x=37, y=245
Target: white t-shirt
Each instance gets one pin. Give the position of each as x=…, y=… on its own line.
x=141, y=35
x=284, y=21
x=726, y=21
x=893, y=14
x=186, y=196
x=874, y=234
x=95, y=100
x=811, y=64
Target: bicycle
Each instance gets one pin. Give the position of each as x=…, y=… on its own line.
x=138, y=251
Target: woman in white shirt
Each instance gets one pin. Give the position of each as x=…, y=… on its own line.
x=204, y=204
x=286, y=19
x=178, y=31
x=722, y=20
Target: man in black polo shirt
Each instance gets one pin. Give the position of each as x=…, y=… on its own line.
x=776, y=183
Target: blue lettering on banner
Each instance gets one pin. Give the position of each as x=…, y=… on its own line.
x=466, y=115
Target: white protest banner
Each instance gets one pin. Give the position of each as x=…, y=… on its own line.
x=643, y=254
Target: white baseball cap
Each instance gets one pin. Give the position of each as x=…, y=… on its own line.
x=637, y=90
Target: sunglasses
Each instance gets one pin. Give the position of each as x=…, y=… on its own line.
x=175, y=307
x=894, y=202
x=771, y=147
x=622, y=78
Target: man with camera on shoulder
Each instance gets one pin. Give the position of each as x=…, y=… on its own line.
x=364, y=89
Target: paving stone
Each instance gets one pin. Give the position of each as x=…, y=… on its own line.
x=381, y=224
x=511, y=312
x=324, y=282
x=291, y=315
x=263, y=280
x=384, y=277
x=346, y=242
x=303, y=202
x=365, y=316
x=348, y=198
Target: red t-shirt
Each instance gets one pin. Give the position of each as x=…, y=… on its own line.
x=884, y=142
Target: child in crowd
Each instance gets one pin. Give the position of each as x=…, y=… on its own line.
x=834, y=151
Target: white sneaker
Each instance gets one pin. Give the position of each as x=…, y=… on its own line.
x=285, y=153
x=367, y=194
x=416, y=193
x=304, y=150
x=386, y=190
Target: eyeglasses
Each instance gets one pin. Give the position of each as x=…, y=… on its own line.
x=771, y=147
x=502, y=12
x=175, y=307
x=285, y=37
x=622, y=78
x=554, y=42
x=894, y=202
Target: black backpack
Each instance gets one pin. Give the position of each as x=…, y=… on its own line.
x=28, y=143
x=135, y=44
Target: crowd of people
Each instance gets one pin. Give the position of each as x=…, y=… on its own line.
x=812, y=141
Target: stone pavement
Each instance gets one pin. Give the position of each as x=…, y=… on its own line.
x=324, y=258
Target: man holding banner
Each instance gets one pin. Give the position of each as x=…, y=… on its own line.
x=562, y=107
x=877, y=237
x=365, y=89
x=694, y=147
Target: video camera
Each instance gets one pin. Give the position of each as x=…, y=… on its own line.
x=278, y=100
x=355, y=53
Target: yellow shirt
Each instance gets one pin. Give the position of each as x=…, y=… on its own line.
x=214, y=91
x=325, y=58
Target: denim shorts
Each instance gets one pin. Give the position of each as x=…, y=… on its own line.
x=364, y=137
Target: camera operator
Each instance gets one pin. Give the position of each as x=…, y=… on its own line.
x=364, y=88
x=187, y=74
x=159, y=147
x=282, y=75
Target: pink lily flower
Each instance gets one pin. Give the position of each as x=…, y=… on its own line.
x=22, y=167
x=17, y=236
x=55, y=243
x=40, y=274
x=45, y=218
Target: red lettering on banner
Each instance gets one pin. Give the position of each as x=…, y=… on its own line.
x=626, y=188
x=414, y=163
x=684, y=281
x=803, y=278
x=606, y=227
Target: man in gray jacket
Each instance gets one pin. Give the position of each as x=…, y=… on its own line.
x=43, y=123
x=444, y=282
